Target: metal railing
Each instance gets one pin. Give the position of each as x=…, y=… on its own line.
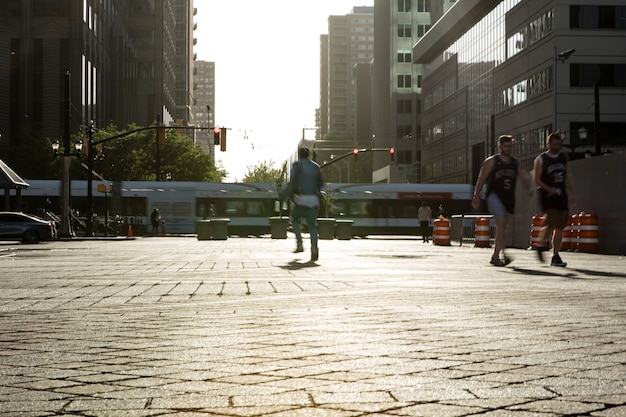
x=463, y=227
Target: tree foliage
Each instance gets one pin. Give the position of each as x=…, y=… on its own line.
x=138, y=158
x=33, y=159
x=263, y=172
x=129, y=158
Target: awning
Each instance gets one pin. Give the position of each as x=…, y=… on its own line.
x=9, y=179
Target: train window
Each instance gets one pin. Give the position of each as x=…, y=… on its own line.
x=359, y=208
x=337, y=209
x=235, y=208
x=379, y=209
x=177, y=210
x=255, y=208
x=206, y=207
x=407, y=210
x=134, y=206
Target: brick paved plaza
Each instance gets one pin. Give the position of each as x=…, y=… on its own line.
x=382, y=326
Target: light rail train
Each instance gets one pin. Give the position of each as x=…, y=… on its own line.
x=374, y=208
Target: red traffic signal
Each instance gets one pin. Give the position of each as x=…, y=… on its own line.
x=216, y=135
x=392, y=154
x=355, y=153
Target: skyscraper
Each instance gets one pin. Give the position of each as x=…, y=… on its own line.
x=397, y=87
x=129, y=62
x=350, y=41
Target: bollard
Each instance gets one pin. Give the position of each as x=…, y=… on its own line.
x=482, y=237
x=588, y=233
x=441, y=232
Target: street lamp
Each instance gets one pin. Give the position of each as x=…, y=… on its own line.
x=90, y=159
x=66, y=230
x=561, y=56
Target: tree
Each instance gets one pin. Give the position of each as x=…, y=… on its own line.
x=130, y=158
x=33, y=159
x=263, y=172
x=134, y=158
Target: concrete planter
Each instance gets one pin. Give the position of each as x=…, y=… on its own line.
x=344, y=229
x=278, y=227
x=326, y=228
x=212, y=229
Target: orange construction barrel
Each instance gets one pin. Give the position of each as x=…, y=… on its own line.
x=482, y=237
x=535, y=231
x=588, y=233
x=441, y=232
x=568, y=240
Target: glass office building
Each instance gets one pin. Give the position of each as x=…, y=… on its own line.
x=521, y=67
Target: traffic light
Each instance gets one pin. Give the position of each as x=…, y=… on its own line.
x=355, y=153
x=223, y=139
x=216, y=135
x=392, y=154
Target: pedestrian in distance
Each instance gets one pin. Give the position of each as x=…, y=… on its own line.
x=500, y=173
x=424, y=216
x=305, y=191
x=155, y=220
x=553, y=181
x=442, y=213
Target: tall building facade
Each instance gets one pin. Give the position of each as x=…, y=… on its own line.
x=397, y=87
x=204, y=107
x=350, y=42
x=185, y=58
x=520, y=67
x=122, y=56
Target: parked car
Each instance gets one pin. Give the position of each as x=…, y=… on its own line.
x=25, y=227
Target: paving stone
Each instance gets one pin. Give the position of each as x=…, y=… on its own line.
x=383, y=326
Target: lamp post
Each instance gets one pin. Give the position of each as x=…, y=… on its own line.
x=66, y=230
x=582, y=134
x=90, y=158
x=561, y=56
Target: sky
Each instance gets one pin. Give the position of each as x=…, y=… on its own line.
x=267, y=80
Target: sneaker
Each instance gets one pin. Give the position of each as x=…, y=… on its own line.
x=495, y=261
x=299, y=249
x=507, y=259
x=540, y=250
x=556, y=261
x=315, y=254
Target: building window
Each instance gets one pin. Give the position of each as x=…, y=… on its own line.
x=404, y=55
x=423, y=5
x=606, y=75
x=597, y=17
x=404, y=30
x=422, y=29
x=404, y=6
x=533, y=32
x=403, y=157
x=404, y=106
x=404, y=81
x=404, y=131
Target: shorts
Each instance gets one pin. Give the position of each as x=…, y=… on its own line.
x=556, y=219
x=496, y=207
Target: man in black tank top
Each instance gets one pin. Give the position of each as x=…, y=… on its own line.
x=500, y=173
x=554, y=183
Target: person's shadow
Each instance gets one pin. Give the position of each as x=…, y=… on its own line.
x=296, y=264
x=569, y=272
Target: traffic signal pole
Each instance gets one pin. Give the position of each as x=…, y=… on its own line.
x=353, y=152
